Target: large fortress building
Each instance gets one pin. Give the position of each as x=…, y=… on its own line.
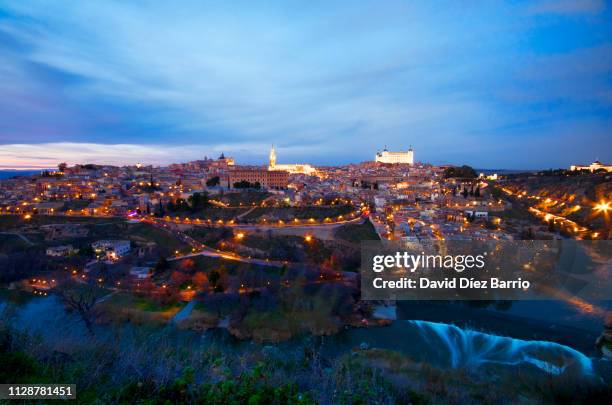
x=593, y=167
x=395, y=157
x=291, y=168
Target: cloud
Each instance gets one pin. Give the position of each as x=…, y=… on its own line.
x=313, y=79
x=154, y=73
x=51, y=154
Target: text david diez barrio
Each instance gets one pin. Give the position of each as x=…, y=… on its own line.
x=483, y=270
x=458, y=263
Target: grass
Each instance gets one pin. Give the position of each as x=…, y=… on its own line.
x=319, y=213
x=154, y=367
x=123, y=307
x=16, y=297
x=199, y=319
x=356, y=233
x=276, y=247
x=247, y=198
x=288, y=213
x=12, y=243
x=144, y=304
x=165, y=241
x=209, y=235
x=278, y=324
x=212, y=213
x=114, y=228
x=204, y=263
x=9, y=222
x=259, y=320
x=211, y=313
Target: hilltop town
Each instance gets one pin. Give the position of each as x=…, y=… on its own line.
x=268, y=253
x=167, y=244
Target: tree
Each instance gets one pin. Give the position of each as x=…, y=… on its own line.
x=198, y=201
x=181, y=205
x=86, y=250
x=180, y=278
x=527, y=234
x=214, y=278
x=160, y=209
x=247, y=184
x=161, y=265
x=200, y=280
x=62, y=167
x=496, y=193
x=82, y=299
x=464, y=171
x=465, y=192
x=213, y=181
x=477, y=192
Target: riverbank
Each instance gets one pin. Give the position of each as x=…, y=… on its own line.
x=408, y=361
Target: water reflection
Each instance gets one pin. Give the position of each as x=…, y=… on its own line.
x=565, y=339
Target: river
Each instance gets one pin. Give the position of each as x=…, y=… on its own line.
x=549, y=336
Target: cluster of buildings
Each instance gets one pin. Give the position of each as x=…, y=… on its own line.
x=414, y=202
x=99, y=190
x=408, y=200
x=275, y=176
x=108, y=249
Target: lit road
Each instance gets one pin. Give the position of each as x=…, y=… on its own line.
x=203, y=250
x=209, y=252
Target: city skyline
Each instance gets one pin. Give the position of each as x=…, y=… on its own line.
x=522, y=85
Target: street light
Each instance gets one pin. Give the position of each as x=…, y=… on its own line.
x=602, y=206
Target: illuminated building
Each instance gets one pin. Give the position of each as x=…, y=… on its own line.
x=266, y=178
x=291, y=168
x=596, y=165
x=228, y=160
x=113, y=249
x=57, y=251
x=395, y=157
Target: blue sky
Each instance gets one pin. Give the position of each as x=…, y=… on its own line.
x=517, y=84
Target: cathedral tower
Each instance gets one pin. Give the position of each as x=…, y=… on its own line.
x=272, y=157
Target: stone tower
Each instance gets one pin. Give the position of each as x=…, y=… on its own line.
x=272, y=157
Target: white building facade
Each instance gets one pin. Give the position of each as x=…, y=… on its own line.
x=113, y=249
x=596, y=165
x=386, y=156
x=291, y=168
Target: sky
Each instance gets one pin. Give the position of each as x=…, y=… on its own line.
x=492, y=84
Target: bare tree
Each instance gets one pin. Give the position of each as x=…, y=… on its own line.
x=81, y=298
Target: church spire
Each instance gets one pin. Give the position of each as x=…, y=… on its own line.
x=272, y=157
